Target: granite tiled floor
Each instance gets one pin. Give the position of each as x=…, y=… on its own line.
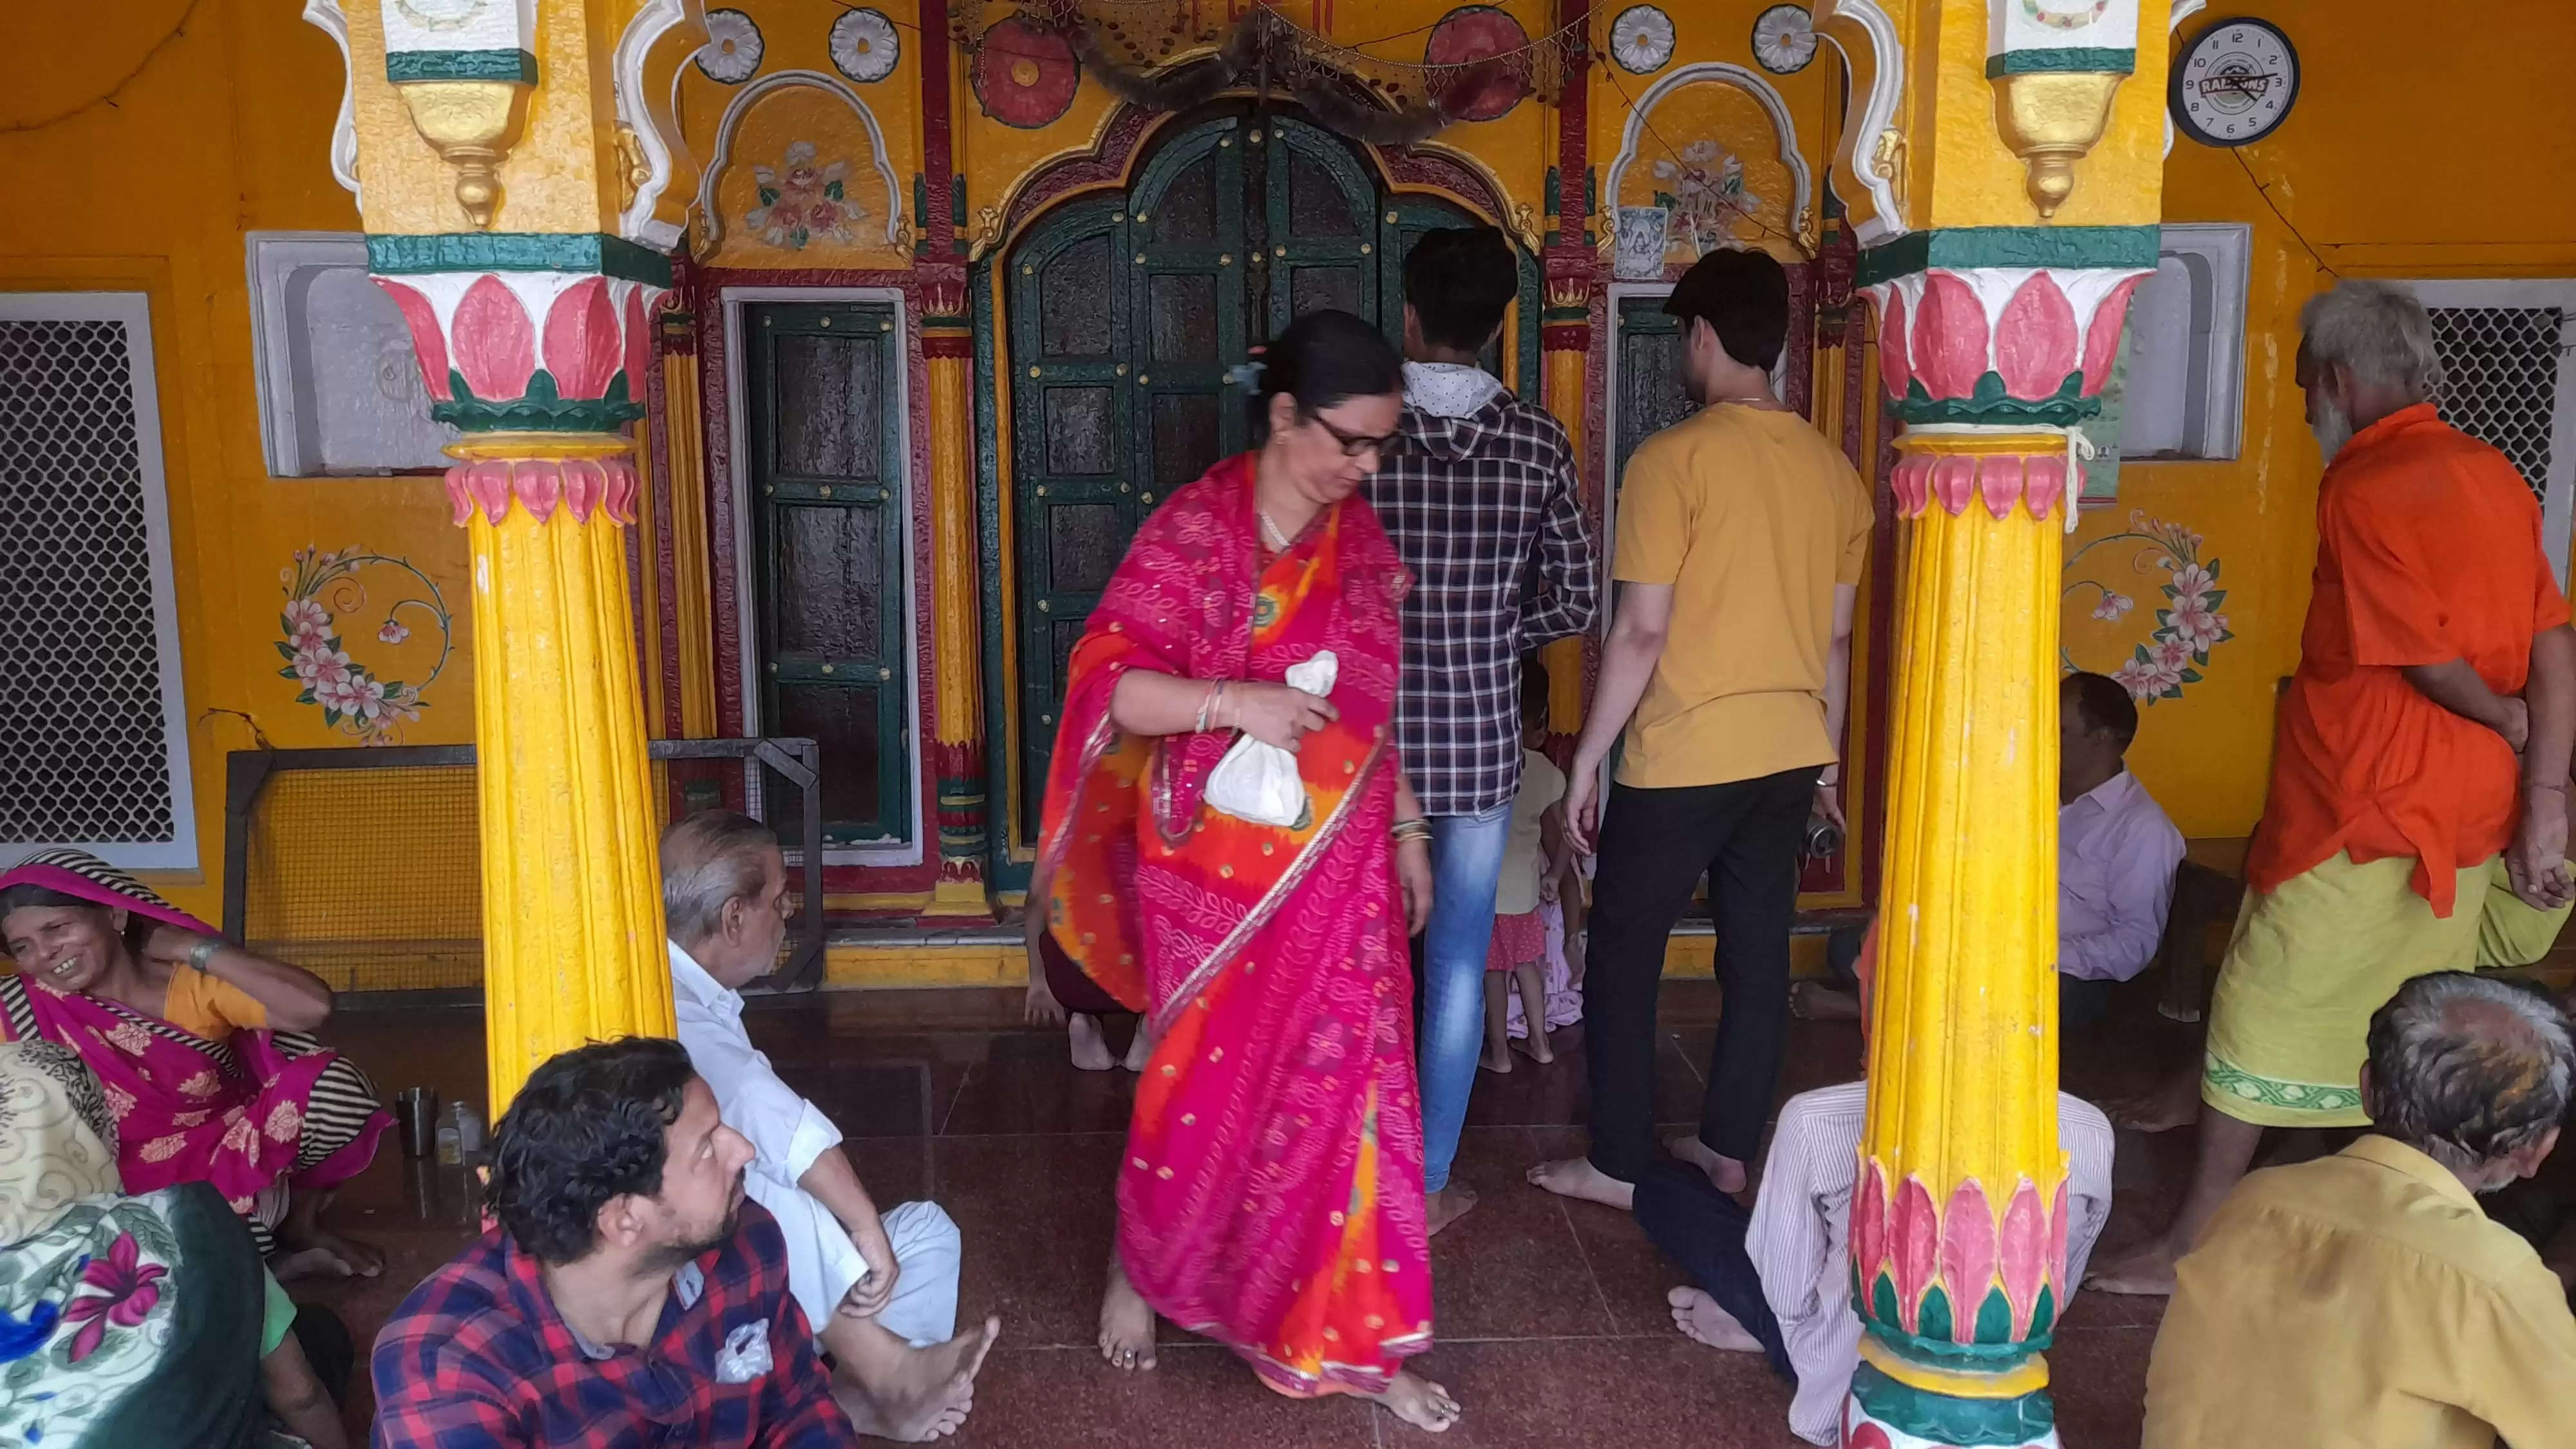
x=1552, y=1325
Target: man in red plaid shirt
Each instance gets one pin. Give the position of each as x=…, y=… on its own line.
x=629, y=1298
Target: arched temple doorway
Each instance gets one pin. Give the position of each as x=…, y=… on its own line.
x=1124, y=311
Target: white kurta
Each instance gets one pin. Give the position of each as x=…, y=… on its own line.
x=787, y=1133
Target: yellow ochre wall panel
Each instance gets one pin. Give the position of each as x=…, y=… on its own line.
x=152, y=136
x=2466, y=181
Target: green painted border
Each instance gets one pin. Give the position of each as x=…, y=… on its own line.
x=1989, y=403
x=1000, y=782
x=539, y=410
x=1945, y=1420
x=2274, y=1092
x=517, y=251
x=2059, y=60
x=515, y=66
x=1961, y=248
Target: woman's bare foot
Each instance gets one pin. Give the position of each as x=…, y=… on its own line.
x=321, y=1254
x=1141, y=1050
x=1812, y=1002
x=1126, y=1323
x=2147, y=1272
x=1497, y=1059
x=914, y=1395
x=1419, y=1402
x=1702, y=1321
x=1725, y=1173
x=1447, y=1206
x=1535, y=1046
x=1090, y=1051
x=1576, y=1177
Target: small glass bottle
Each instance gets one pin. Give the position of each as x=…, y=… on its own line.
x=469, y=1131
x=450, y=1143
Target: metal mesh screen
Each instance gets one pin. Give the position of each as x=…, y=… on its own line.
x=83, y=753
x=2500, y=378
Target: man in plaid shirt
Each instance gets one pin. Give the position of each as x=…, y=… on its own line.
x=1481, y=499
x=630, y=1297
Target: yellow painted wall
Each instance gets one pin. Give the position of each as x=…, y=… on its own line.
x=220, y=123
x=2416, y=149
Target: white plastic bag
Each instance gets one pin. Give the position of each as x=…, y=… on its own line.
x=1259, y=782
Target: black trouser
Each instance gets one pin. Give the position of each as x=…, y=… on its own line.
x=1655, y=844
x=1703, y=1230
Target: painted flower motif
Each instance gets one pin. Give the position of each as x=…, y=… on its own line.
x=2190, y=583
x=321, y=664
x=2191, y=622
x=162, y=1149
x=393, y=632
x=1707, y=198
x=284, y=1121
x=1784, y=39
x=305, y=614
x=341, y=692
x=864, y=46
x=126, y=1290
x=732, y=52
x=2171, y=655
x=2114, y=606
x=1641, y=39
x=2196, y=628
x=2145, y=679
x=129, y=1038
x=241, y=1135
x=800, y=198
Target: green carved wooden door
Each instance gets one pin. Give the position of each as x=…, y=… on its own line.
x=828, y=544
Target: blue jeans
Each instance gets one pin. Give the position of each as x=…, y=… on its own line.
x=1466, y=865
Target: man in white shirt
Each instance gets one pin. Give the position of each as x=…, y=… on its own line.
x=1780, y=1283
x=2116, y=858
x=880, y=1292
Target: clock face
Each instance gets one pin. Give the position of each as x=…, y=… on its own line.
x=2234, y=83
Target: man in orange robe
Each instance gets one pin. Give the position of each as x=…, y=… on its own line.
x=2423, y=743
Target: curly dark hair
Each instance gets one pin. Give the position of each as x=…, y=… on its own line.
x=592, y=1124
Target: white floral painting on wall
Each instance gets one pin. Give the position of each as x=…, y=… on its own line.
x=2168, y=557
x=1703, y=190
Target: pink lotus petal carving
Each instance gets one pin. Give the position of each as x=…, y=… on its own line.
x=1869, y=1225
x=1916, y=1246
x=1954, y=481
x=1950, y=337
x=2102, y=339
x=539, y=484
x=2046, y=483
x=495, y=346
x=583, y=348
x=1911, y=481
x=428, y=344
x=584, y=484
x=640, y=306
x=2035, y=339
x=1894, y=366
x=2024, y=1249
x=1967, y=1256
x=1999, y=482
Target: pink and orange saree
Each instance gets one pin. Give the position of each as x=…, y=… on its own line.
x=1271, y=1196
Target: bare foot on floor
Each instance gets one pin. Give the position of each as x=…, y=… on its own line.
x=1090, y=1052
x=1126, y=1324
x=322, y=1254
x=1812, y=1002
x=2147, y=1272
x=1419, y=1402
x=1577, y=1177
x=1497, y=1061
x=1702, y=1321
x=2171, y=1104
x=929, y=1396
x=1535, y=1047
x=1447, y=1206
x=1141, y=1050
x=1724, y=1173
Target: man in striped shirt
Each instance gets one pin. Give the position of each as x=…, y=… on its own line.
x=1779, y=1282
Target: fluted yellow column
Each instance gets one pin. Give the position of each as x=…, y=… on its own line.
x=957, y=743
x=1565, y=339
x=513, y=188
x=2006, y=184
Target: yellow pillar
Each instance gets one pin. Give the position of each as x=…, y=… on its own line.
x=957, y=742
x=2006, y=181
x=509, y=204
x=1565, y=339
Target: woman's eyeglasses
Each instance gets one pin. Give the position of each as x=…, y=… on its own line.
x=1353, y=444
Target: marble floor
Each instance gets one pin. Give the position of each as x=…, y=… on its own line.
x=1551, y=1318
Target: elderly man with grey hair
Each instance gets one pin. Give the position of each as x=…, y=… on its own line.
x=880, y=1292
x=2422, y=752
x=2365, y=1299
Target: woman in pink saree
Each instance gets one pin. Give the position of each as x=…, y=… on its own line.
x=200, y=1048
x=1271, y=1194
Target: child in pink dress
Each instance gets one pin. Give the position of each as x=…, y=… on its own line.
x=1532, y=939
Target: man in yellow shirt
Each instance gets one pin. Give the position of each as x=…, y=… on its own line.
x=1741, y=536
x=2364, y=1299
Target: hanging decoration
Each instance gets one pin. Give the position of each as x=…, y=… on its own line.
x=1025, y=73
x=1169, y=55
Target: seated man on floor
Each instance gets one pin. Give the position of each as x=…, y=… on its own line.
x=1778, y=1282
x=629, y=1297
x=881, y=1293
x=2116, y=858
x=2365, y=1299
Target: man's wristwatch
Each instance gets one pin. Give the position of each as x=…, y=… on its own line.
x=204, y=951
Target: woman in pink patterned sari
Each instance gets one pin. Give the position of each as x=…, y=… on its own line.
x=199, y=1046
x=1271, y=1195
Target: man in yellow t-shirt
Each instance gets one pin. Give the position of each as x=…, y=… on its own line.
x=1741, y=537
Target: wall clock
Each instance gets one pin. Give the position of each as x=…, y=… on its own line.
x=2234, y=83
